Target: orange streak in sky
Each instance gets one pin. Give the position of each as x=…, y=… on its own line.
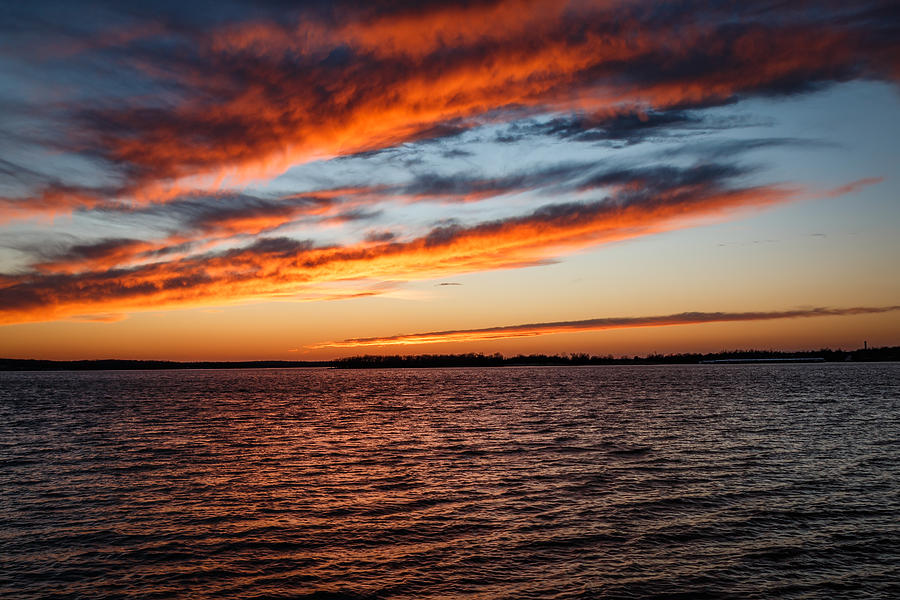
x=283, y=268
x=853, y=186
x=533, y=329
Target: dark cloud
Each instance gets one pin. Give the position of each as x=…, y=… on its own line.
x=233, y=88
x=101, y=248
x=380, y=236
x=243, y=213
x=280, y=247
x=730, y=149
x=233, y=213
x=626, y=128
x=465, y=186
x=356, y=214
x=457, y=153
x=101, y=254
x=662, y=177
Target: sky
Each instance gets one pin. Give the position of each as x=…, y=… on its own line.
x=271, y=180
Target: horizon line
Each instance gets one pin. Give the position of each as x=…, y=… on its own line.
x=4, y=361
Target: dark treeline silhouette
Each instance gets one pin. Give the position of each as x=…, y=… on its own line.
x=887, y=353
x=891, y=353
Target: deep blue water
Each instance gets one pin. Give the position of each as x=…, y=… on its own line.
x=712, y=481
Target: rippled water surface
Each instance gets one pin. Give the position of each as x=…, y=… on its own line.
x=718, y=481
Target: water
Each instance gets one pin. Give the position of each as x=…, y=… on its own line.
x=737, y=481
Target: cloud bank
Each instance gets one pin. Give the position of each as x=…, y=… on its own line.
x=273, y=267
x=249, y=97
x=174, y=135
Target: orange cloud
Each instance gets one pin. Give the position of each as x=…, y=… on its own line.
x=279, y=267
x=49, y=200
x=262, y=96
x=256, y=97
x=852, y=187
x=533, y=329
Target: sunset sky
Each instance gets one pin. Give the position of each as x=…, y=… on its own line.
x=267, y=180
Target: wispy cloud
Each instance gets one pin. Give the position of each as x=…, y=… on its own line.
x=533, y=329
x=277, y=267
x=107, y=318
x=124, y=274
x=852, y=187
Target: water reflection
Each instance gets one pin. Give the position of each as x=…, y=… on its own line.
x=744, y=481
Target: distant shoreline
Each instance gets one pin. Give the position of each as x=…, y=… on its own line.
x=883, y=354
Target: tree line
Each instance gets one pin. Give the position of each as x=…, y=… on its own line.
x=378, y=361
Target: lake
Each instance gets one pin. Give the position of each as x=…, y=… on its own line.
x=701, y=481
